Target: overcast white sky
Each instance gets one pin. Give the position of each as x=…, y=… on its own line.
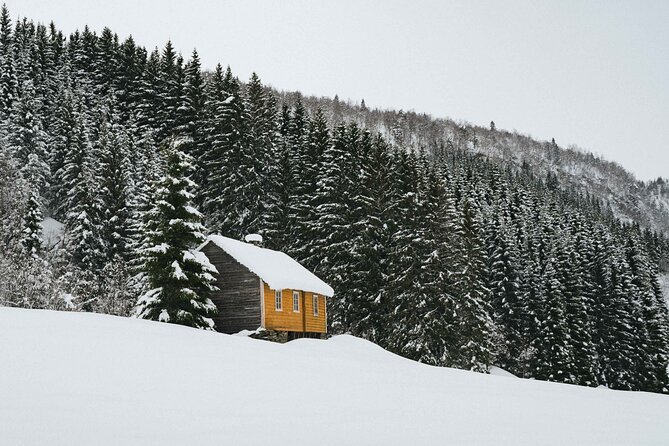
x=590, y=73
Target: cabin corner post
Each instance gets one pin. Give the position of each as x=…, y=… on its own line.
x=304, y=311
x=262, y=303
x=325, y=313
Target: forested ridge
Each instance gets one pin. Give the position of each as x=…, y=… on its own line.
x=436, y=253
x=646, y=202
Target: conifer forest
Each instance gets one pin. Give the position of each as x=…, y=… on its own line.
x=436, y=252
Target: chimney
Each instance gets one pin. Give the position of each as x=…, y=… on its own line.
x=254, y=239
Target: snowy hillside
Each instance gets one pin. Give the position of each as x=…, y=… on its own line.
x=82, y=379
x=575, y=168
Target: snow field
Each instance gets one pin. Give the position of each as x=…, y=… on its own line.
x=88, y=379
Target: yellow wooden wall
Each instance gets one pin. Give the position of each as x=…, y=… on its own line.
x=287, y=319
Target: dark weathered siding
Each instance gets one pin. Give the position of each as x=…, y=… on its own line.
x=238, y=294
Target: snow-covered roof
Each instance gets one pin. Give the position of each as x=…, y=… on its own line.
x=276, y=269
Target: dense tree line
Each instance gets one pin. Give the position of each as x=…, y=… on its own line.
x=434, y=253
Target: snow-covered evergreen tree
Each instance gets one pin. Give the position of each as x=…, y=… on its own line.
x=32, y=226
x=8, y=81
x=224, y=201
x=179, y=278
x=474, y=327
x=114, y=145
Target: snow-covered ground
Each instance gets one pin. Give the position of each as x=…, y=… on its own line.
x=664, y=283
x=87, y=379
x=52, y=232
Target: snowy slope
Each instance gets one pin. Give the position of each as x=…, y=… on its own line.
x=664, y=283
x=52, y=232
x=630, y=199
x=87, y=379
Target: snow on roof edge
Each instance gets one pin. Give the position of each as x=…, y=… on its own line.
x=277, y=269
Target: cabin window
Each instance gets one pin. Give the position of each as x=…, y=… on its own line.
x=296, y=301
x=315, y=304
x=278, y=300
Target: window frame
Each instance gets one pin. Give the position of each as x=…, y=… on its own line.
x=314, y=303
x=296, y=300
x=278, y=300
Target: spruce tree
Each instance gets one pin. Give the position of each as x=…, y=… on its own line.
x=332, y=230
x=8, y=81
x=573, y=278
x=168, y=88
x=227, y=206
x=32, y=226
x=190, y=114
x=369, y=253
x=257, y=154
x=554, y=357
x=84, y=219
x=148, y=97
x=179, y=279
x=411, y=330
x=616, y=348
x=27, y=135
x=115, y=168
x=69, y=149
x=505, y=294
x=277, y=229
x=474, y=327
x=128, y=82
x=655, y=339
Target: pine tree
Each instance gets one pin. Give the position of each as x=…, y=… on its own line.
x=277, y=229
x=654, y=336
x=84, y=221
x=574, y=279
x=168, y=89
x=369, y=250
x=106, y=65
x=616, y=348
x=32, y=226
x=8, y=81
x=505, y=294
x=37, y=173
x=409, y=301
x=190, y=114
x=303, y=211
x=209, y=152
x=179, y=278
x=81, y=206
x=27, y=135
x=226, y=204
x=114, y=168
x=474, y=327
x=131, y=61
x=257, y=154
x=148, y=97
x=332, y=230
x=554, y=357
x=69, y=140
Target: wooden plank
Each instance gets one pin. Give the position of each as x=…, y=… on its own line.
x=287, y=319
x=238, y=295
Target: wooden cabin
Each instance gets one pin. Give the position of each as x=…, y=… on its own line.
x=262, y=288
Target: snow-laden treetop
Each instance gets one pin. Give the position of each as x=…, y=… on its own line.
x=276, y=269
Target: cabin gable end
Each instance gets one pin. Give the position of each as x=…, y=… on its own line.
x=238, y=294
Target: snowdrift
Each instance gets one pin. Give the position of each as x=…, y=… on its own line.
x=87, y=379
